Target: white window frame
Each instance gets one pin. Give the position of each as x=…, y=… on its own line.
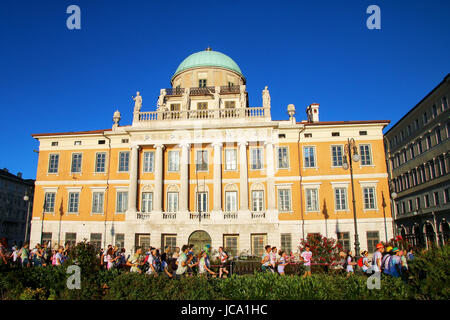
x=96, y=192
x=197, y=163
x=50, y=163
x=119, y=197
x=233, y=162
x=333, y=165
x=335, y=189
x=46, y=201
x=204, y=201
x=146, y=204
x=259, y=151
x=317, y=204
x=96, y=161
x=287, y=158
x=127, y=163
x=76, y=194
x=148, y=163
x=74, y=154
x=365, y=185
x=171, y=196
x=229, y=205
x=281, y=207
x=370, y=155
x=233, y=238
x=305, y=166
x=259, y=201
x=173, y=163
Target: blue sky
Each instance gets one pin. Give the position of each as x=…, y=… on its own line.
x=54, y=80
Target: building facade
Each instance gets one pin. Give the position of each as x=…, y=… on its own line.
x=206, y=167
x=417, y=148
x=15, y=207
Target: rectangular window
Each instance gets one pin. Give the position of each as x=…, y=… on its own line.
x=283, y=158
x=284, y=200
x=74, y=201
x=147, y=201
x=447, y=195
x=97, y=202
x=202, y=202
x=369, y=197
x=438, y=136
x=340, y=196
x=286, y=242
x=344, y=239
x=230, y=201
x=54, y=144
x=49, y=202
x=418, y=203
x=46, y=238
x=434, y=109
x=77, y=143
x=312, y=201
x=444, y=103
x=71, y=239
x=122, y=201
x=258, y=243
x=120, y=240
x=201, y=162
x=310, y=158
x=336, y=154
x=373, y=238
x=230, y=243
x=174, y=160
x=149, y=160
x=427, y=201
x=100, y=162
x=425, y=118
x=429, y=144
x=172, y=201
x=142, y=240
x=124, y=159
x=53, y=163
x=96, y=241
x=230, y=104
x=366, y=158
x=230, y=159
x=256, y=158
x=436, y=198
x=257, y=200
x=169, y=240
x=202, y=83
x=76, y=163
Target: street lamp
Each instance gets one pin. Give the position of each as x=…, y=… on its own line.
x=351, y=154
x=27, y=198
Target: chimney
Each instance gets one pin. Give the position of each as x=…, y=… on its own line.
x=19, y=175
x=312, y=112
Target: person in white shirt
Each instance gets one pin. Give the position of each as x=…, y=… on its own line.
x=377, y=257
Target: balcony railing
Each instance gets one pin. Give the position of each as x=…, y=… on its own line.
x=200, y=91
x=174, y=91
x=229, y=89
x=229, y=113
x=232, y=215
x=143, y=215
x=258, y=214
x=169, y=215
x=195, y=215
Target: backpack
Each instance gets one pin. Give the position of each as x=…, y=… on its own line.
x=360, y=262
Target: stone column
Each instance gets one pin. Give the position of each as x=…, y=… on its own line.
x=270, y=176
x=184, y=176
x=217, y=205
x=132, y=188
x=243, y=176
x=159, y=165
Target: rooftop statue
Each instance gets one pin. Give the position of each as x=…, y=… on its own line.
x=266, y=98
x=137, y=102
x=242, y=97
x=185, y=99
x=161, y=102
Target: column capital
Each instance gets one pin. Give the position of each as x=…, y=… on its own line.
x=270, y=142
x=184, y=145
x=135, y=146
x=159, y=145
x=217, y=144
x=242, y=143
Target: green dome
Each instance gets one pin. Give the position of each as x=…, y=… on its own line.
x=208, y=58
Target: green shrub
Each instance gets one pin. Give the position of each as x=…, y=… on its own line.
x=429, y=274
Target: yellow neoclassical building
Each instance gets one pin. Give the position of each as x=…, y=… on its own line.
x=206, y=167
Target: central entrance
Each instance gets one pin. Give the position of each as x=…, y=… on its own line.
x=199, y=239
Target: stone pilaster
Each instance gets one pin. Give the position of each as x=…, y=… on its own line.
x=243, y=176
x=184, y=177
x=271, y=200
x=217, y=205
x=132, y=189
x=159, y=165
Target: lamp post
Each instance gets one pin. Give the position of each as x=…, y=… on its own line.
x=27, y=198
x=351, y=152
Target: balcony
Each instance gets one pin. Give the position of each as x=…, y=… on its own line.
x=232, y=215
x=229, y=113
x=258, y=214
x=203, y=216
x=169, y=215
x=143, y=215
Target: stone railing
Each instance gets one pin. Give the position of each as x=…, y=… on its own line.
x=232, y=215
x=258, y=214
x=195, y=216
x=229, y=113
x=169, y=215
x=143, y=215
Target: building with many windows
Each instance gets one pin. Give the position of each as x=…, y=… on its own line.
x=206, y=167
x=417, y=148
x=16, y=198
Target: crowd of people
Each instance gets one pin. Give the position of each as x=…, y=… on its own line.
x=176, y=263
